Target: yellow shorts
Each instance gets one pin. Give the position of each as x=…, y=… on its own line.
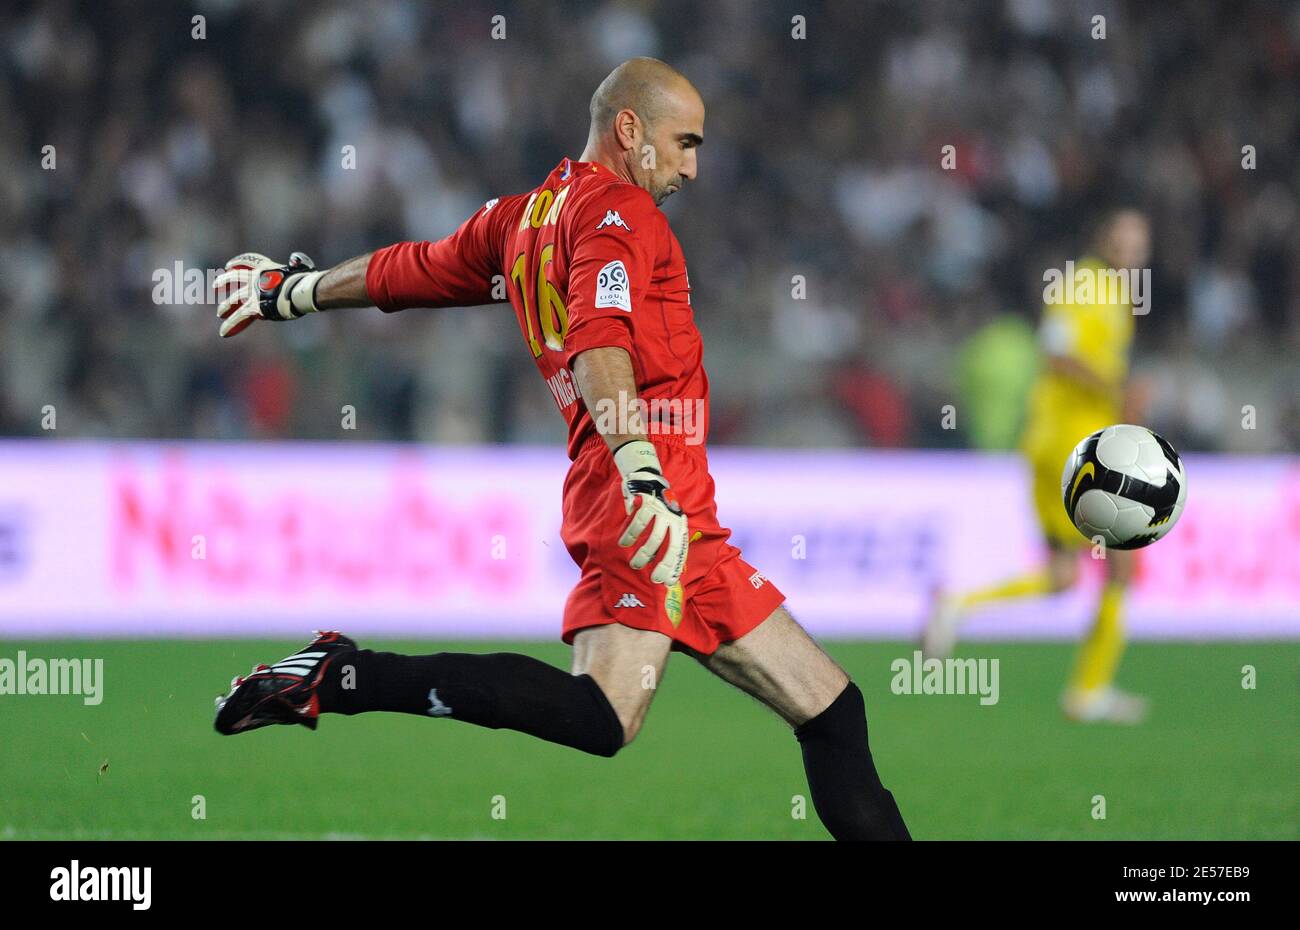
x=1049, y=503
x=1047, y=445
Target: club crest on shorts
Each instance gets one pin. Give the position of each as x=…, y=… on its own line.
x=673, y=604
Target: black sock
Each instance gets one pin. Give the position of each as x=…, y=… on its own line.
x=846, y=790
x=500, y=690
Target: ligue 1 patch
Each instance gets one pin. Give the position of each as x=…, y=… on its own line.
x=612, y=287
x=673, y=604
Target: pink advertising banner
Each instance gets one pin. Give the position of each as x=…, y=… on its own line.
x=102, y=539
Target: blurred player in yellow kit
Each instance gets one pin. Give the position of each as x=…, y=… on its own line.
x=1079, y=390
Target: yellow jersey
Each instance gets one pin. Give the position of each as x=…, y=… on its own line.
x=1093, y=327
x=1096, y=332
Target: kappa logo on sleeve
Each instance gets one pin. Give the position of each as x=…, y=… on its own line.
x=613, y=219
x=612, y=287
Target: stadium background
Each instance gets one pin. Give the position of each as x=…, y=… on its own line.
x=822, y=160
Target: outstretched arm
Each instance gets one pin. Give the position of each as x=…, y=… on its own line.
x=457, y=271
x=255, y=287
x=344, y=285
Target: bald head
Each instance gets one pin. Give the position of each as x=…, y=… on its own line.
x=645, y=86
x=648, y=118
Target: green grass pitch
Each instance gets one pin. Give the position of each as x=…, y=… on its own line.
x=1214, y=760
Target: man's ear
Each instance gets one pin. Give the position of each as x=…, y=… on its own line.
x=625, y=129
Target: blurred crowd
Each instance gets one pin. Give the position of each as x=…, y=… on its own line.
x=847, y=279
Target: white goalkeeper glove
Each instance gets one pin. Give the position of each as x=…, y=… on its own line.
x=258, y=288
x=643, y=481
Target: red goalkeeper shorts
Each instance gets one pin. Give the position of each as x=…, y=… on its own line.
x=719, y=598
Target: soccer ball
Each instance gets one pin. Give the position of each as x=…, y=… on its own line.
x=1125, y=484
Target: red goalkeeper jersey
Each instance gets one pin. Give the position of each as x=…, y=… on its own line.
x=587, y=260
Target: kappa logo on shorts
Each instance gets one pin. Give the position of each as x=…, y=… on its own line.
x=757, y=579
x=629, y=600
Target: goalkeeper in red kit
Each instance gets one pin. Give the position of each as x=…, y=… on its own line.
x=598, y=282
